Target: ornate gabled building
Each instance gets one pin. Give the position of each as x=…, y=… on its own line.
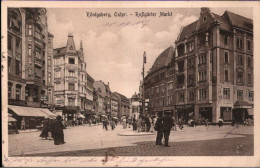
x=159, y=84
x=28, y=46
x=70, y=80
x=214, y=68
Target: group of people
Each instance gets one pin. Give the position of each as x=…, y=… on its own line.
x=106, y=123
x=53, y=129
x=143, y=124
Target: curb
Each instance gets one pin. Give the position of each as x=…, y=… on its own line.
x=135, y=134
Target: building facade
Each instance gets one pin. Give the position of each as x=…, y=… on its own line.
x=159, y=84
x=70, y=80
x=27, y=64
x=90, y=96
x=214, y=68
x=123, y=105
x=114, y=105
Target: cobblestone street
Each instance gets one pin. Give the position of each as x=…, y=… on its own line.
x=94, y=141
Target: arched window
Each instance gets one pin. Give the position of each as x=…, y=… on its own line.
x=18, y=92
x=10, y=85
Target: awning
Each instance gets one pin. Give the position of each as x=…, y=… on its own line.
x=48, y=113
x=81, y=116
x=11, y=119
x=250, y=111
x=242, y=104
x=27, y=111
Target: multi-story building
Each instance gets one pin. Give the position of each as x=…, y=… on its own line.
x=90, y=96
x=214, y=67
x=99, y=102
x=159, y=84
x=50, y=70
x=114, y=105
x=70, y=80
x=27, y=67
x=123, y=105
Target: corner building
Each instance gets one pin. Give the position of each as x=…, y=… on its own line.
x=214, y=68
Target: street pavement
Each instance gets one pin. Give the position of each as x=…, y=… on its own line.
x=95, y=141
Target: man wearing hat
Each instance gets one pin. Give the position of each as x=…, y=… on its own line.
x=167, y=125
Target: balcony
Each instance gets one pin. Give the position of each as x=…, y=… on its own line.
x=71, y=78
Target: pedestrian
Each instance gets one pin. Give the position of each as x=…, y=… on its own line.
x=90, y=121
x=220, y=122
x=167, y=125
x=49, y=127
x=159, y=128
x=58, y=134
x=124, y=123
x=139, y=124
x=44, y=133
x=113, y=124
x=174, y=124
x=207, y=123
x=106, y=123
x=23, y=124
x=180, y=123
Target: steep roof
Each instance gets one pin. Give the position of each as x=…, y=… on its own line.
x=240, y=21
x=59, y=51
x=164, y=58
x=188, y=30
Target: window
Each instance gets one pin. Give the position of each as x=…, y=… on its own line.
x=9, y=65
x=57, y=74
x=157, y=89
x=249, y=78
x=202, y=58
x=251, y=95
x=181, y=97
x=191, y=79
x=30, y=30
x=240, y=77
x=191, y=95
x=37, y=33
x=226, y=93
x=162, y=102
x=226, y=75
x=226, y=39
x=17, y=67
x=71, y=73
x=49, y=77
x=10, y=90
x=249, y=45
x=29, y=49
x=180, y=79
x=170, y=85
x=202, y=76
x=190, y=46
x=49, y=61
x=239, y=43
x=226, y=56
x=37, y=52
x=71, y=101
x=71, y=60
x=191, y=63
x=181, y=66
x=71, y=86
x=239, y=94
x=10, y=43
x=240, y=60
x=162, y=88
x=249, y=63
x=202, y=94
x=204, y=19
x=18, y=92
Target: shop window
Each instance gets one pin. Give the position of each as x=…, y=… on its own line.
x=18, y=92
x=226, y=93
x=71, y=86
x=225, y=113
x=251, y=95
x=226, y=56
x=239, y=94
x=226, y=75
x=202, y=94
x=71, y=60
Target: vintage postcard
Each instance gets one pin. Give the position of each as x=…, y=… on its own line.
x=130, y=84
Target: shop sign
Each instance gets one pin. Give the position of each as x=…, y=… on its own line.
x=186, y=106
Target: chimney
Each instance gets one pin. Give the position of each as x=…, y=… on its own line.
x=204, y=10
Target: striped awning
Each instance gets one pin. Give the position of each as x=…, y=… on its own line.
x=30, y=111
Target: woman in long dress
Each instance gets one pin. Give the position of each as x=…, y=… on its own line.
x=58, y=134
x=44, y=133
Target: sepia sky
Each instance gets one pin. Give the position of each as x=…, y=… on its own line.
x=114, y=46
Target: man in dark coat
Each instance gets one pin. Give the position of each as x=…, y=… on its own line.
x=167, y=125
x=45, y=127
x=159, y=128
x=57, y=130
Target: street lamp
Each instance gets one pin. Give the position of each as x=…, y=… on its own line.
x=143, y=98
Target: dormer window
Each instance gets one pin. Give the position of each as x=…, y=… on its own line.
x=204, y=19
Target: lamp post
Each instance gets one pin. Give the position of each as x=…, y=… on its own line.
x=143, y=98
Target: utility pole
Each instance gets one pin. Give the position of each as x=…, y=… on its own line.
x=143, y=98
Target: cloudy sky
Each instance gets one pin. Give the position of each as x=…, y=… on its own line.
x=114, y=46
